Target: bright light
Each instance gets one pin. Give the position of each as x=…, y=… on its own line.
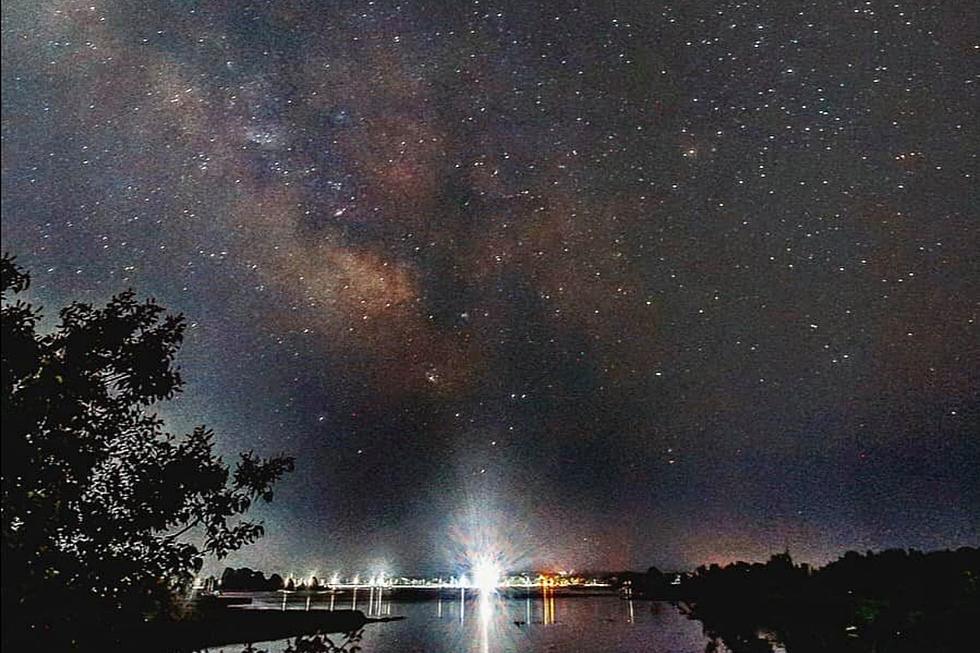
x=486, y=574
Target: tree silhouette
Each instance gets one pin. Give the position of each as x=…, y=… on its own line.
x=896, y=600
x=106, y=516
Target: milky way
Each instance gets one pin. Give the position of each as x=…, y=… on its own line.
x=628, y=283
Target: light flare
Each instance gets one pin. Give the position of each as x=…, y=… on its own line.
x=486, y=574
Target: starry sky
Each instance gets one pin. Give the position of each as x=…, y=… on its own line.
x=599, y=284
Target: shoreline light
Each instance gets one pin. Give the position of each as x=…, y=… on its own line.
x=486, y=574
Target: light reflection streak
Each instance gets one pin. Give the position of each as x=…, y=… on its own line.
x=486, y=615
x=547, y=605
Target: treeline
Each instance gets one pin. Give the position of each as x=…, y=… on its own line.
x=245, y=579
x=892, y=601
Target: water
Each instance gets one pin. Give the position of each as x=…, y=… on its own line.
x=495, y=624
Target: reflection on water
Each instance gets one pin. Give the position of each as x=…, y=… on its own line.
x=472, y=622
x=486, y=618
x=548, y=605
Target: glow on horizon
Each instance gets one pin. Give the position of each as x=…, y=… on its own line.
x=485, y=574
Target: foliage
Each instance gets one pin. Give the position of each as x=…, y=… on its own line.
x=895, y=600
x=99, y=502
x=318, y=643
x=324, y=644
x=246, y=579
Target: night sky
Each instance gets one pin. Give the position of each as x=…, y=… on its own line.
x=599, y=284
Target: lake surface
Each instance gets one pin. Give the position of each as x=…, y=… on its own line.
x=497, y=624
